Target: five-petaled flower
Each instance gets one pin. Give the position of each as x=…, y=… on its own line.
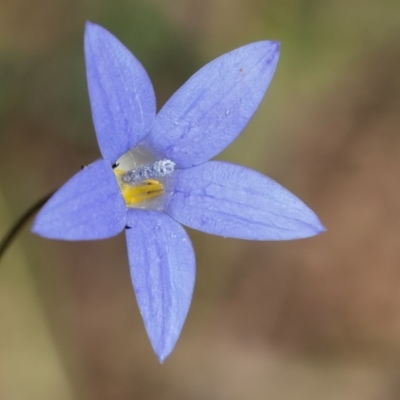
x=155, y=174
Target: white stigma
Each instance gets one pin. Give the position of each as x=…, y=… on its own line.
x=158, y=169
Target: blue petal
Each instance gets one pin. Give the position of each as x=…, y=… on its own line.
x=121, y=95
x=162, y=265
x=89, y=206
x=230, y=200
x=211, y=109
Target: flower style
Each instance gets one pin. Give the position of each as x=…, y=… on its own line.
x=155, y=174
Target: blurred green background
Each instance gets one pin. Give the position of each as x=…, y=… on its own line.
x=309, y=319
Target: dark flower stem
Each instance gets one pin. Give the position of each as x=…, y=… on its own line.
x=19, y=224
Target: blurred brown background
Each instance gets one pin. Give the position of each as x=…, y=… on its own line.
x=314, y=319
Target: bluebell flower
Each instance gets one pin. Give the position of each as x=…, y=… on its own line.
x=155, y=174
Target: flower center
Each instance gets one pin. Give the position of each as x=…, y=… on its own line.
x=140, y=182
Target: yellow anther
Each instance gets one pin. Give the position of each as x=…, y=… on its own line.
x=145, y=190
x=118, y=172
x=139, y=192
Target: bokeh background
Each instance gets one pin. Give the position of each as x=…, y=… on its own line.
x=309, y=319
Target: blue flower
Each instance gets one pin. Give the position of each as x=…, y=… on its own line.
x=155, y=174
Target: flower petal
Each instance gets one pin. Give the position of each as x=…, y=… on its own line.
x=230, y=200
x=210, y=110
x=89, y=206
x=121, y=95
x=162, y=265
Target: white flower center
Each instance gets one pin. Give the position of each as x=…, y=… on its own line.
x=141, y=178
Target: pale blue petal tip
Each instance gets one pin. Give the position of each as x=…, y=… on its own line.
x=121, y=94
x=74, y=212
x=213, y=107
x=320, y=228
x=233, y=201
x=162, y=265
